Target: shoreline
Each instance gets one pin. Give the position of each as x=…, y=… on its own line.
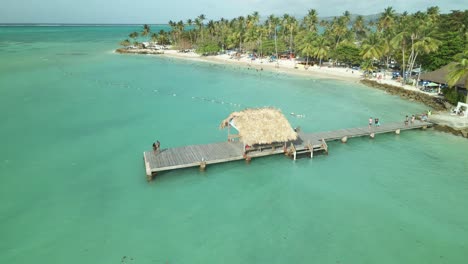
x=285, y=66
x=289, y=67
x=434, y=102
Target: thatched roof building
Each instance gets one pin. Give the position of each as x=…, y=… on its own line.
x=440, y=76
x=260, y=126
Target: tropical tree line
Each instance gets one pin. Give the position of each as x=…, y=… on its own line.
x=424, y=38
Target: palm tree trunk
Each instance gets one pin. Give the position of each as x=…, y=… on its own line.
x=403, y=77
x=290, y=44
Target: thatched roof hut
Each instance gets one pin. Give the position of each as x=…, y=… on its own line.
x=260, y=126
x=440, y=76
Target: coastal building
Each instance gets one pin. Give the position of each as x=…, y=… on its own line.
x=440, y=76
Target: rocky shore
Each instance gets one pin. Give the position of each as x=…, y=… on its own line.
x=443, y=121
x=436, y=103
x=139, y=51
x=452, y=130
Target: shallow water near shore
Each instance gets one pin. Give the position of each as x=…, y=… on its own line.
x=76, y=119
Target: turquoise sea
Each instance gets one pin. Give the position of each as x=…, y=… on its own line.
x=76, y=118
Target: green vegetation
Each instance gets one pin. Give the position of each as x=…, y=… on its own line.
x=424, y=38
x=459, y=70
x=208, y=48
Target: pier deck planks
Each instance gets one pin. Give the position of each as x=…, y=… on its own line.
x=194, y=155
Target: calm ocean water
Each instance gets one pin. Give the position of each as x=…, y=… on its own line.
x=75, y=119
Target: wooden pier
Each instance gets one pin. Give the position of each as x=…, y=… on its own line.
x=306, y=143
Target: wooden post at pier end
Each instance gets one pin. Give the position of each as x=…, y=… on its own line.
x=149, y=173
x=202, y=165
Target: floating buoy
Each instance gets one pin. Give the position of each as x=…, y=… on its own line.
x=372, y=135
x=397, y=131
x=344, y=139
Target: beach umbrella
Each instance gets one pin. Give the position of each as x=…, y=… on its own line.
x=432, y=84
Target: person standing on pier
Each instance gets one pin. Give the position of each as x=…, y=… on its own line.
x=406, y=120
x=413, y=118
x=370, y=122
x=156, y=146
x=377, y=122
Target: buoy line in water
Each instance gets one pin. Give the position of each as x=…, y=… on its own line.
x=199, y=99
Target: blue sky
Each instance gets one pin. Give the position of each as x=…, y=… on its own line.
x=161, y=11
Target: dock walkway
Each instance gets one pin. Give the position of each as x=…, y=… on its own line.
x=202, y=155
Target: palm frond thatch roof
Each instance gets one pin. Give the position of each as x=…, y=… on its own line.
x=261, y=126
x=440, y=76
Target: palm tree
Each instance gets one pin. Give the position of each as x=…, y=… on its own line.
x=190, y=23
x=307, y=49
x=338, y=29
x=154, y=37
x=240, y=30
x=371, y=48
x=290, y=25
x=401, y=39
x=386, y=19
x=359, y=28
x=311, y=20
x=211, y=28
x=459, y=70
x=367, y=67
x=134, y=36
x=146, y=30
x=346, y=17
x=422, y=38
x=125, y=43
x=200, y=20
x=321, y=48
x=387, y=50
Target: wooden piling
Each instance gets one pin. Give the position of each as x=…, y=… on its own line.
x=202, y=166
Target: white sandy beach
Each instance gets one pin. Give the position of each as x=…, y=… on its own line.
x=290, y=67
x=284, y=66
